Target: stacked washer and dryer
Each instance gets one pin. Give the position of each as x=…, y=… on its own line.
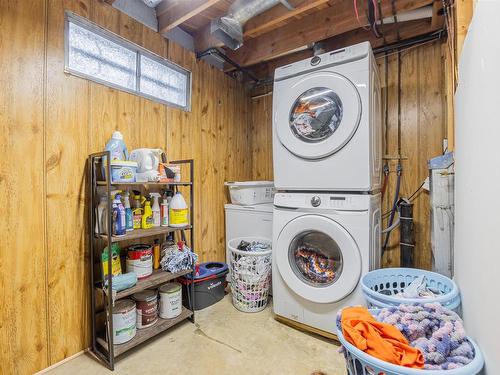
x=327, y=157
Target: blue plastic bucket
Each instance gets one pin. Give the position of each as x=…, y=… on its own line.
x=383, y=288
x=358, y=362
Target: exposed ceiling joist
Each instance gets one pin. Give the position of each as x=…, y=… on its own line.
x=407, y=30
x=335, y=20
x=268, y=20
x=172, y=13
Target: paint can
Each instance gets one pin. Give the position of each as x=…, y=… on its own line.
x=146, y=303
x=170, y=300
x=140, y=260
x=124, y=321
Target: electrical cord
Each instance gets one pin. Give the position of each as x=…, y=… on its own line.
x=364, y=27
x=386, y=214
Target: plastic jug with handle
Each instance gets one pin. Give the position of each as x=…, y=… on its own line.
x=147, y=160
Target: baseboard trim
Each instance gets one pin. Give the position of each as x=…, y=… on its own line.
x=305, y=327
x=47, y=369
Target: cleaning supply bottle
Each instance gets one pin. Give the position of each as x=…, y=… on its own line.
x=147, y=217
x=178, y=213
x=156, y=209
x=129, y=220
x=137, y=210
x=116, y=146
x=164, y=211
x=101, y=225
x=118, y=216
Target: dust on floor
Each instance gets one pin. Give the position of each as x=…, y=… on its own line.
x=223, y=341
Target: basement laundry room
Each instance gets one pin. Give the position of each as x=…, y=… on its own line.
x=301, y=187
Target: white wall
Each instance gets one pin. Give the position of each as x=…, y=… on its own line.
x=477, y=183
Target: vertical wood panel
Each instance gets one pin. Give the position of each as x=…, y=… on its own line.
x=23, y=315
x=47, y=320
x=66, y=153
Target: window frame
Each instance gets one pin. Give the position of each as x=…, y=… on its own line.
x=138, y=50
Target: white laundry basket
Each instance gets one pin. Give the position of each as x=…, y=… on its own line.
x=250, y=275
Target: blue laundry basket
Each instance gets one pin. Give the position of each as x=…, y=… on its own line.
x=382, y=288
x=360, y=363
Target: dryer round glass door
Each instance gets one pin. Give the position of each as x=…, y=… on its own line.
x=318, y=259
x=318, y=115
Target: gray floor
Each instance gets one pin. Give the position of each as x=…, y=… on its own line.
x=223, y=341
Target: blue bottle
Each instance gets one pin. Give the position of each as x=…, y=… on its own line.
x=129, y=218
x=119, y=224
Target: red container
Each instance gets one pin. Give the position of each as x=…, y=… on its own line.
x=140, y=260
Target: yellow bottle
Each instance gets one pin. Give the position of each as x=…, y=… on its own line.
x=147, y=217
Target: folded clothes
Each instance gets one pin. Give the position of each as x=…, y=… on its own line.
x=435, y=330
x=380, y=340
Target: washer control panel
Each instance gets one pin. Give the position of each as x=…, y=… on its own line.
x=325, y=201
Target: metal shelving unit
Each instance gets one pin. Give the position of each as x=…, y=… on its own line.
x=101, y=290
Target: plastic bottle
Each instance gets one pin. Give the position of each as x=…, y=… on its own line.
x=116, y=146
x=147, y=217
x=118, y=216
x=156, y=209
x=164, y=211
x=137, y=211
x=178, y=212
x=101, y=225
x=156, y=255
x=129, y=220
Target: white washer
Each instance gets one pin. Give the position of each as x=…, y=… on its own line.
x=327, y=124
x=345, y=230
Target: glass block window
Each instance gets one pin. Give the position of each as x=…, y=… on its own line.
x=97, y=54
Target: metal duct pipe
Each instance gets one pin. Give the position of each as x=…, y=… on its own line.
x=229, y=28
x=152, y=3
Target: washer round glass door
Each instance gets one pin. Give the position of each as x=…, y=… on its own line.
x=318, y=115
x=318, y=259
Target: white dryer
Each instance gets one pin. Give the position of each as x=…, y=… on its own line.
x=327, y=124
x=322, y=245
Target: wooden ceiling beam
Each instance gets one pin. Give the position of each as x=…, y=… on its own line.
x=268, y=20
x=407, y=30
x=172, y=13
x=335, y=20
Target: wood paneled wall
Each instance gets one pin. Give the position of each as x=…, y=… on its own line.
x=423, y=128
x=50, y=122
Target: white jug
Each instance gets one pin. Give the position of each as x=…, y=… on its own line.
x=147, y=163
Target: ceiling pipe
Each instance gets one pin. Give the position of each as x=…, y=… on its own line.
x=416, y=14
x=152, y=3
x=229, y=28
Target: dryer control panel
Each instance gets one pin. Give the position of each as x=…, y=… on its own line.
x=325, y=201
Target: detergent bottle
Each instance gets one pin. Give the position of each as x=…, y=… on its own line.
x=147, y=217
x=129, y=220
x=156, y=209
x=116, y=146
x=118, y=216
x=164, y=211
x=178, y=213
x=137, y=210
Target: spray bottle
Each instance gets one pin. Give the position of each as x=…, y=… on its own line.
x=164, y=211
x=156, y=209
x=137, y=210
x=147, y=217
x=118, y=216
x=129, y=220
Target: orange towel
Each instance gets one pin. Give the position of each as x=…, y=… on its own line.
x=380, y=340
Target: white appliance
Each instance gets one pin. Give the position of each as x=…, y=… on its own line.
x=248, y=221
x=344, y=231
x=477, y=181
x=327, y=124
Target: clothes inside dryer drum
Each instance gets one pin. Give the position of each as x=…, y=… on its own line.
x=316, y=258
x=316, y=114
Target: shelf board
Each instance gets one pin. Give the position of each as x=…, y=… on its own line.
x=103, y=183
x=145, y=334
x=140, y=233
x=156, y=278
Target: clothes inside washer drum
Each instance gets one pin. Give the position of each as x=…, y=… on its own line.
x=314, y=265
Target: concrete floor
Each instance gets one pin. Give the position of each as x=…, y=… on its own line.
x=223, y=341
